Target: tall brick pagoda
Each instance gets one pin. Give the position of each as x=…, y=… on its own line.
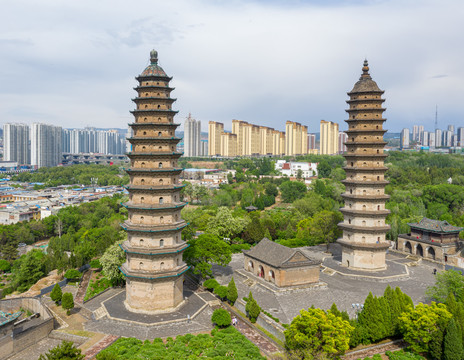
x=154, y=267
x=363, y=244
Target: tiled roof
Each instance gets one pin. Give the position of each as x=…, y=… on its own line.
x=153, y=70
x=8, y=317
x=277, y=255
x=365, y=83
x=435, y=225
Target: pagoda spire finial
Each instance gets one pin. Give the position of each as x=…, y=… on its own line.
x=365, y=71
x=154, y=56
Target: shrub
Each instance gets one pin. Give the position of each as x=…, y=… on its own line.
x=210, y=284
x=65, y=350
x=72, y=274
x=95, y=264
x=67, y=302
x=221, y=291
x=232, y=293
x=221, y=318
x=5, y=266
x=56, y=294
x=237, y=248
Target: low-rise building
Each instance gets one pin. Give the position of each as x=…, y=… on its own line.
x=292, y=168
x=281, y=265
x=431, y=239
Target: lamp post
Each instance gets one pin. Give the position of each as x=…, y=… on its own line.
x=357, y=308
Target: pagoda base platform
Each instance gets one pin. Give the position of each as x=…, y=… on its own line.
x=394, y=270
x=153, y=312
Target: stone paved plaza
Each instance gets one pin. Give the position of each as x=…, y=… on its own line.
x=343, y=289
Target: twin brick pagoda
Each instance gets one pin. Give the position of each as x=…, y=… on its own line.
x=364, y=244
x=154, y=267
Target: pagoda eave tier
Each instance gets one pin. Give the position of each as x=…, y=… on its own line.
x=149, y=140
x=382, y=143
x=139, y=250
x=153, y=188
x=366, y=92
x=364, y=156
x=364, y=229
x=369, y=100
x=380, y=246
x=375, y=213
x=153, y=171
x=365, y=182
x=150, y=275
x=141, y=99
x=156, y=111
x=366, y=131
x=151, y=124
x=154, y=154
x=366, y=197
x=365, y=109
x=153, y=77
x=128, y=226
x=371, y=119
x=146, y=87
x=365, y=168
x=154, y=207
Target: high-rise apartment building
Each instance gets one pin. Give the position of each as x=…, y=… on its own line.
x=432, y=140
x=446, y=138
x=460, y=136
x=328, y=142
x=364, y=228
x=311, y=141
x=215, y=129
x=415, y=133
x=228, y=145
x=425, y=138
x=451, y=128
x=46, y=145
x=421, y=134
x=90, y=140
x=154, y=268
x=404, y=139
x=296, y=138
x=192, y=137
x=16, y=143
x=438, y=138
x=342, y=138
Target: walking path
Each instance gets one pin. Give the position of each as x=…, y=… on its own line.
x=264, y=344
x=83, y=287
x=99, y=346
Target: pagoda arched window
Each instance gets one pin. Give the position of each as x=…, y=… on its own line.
x=146, y=94
x=142, y=199
x=160, y=147
x=159, y=106
x=364, y=222
x=160, y=133
x=378, y=151
x=161, y=181
x=378, y=177
x=161, y=219
x=140, y=265
x=141, y=242
x=161, y=243
x=145, y=119
x=158, y=94
x=352, y=164
x=144, y=133
x=160, y=165
x=159, y=119
x=378, y=207
x=352, y=139
x=142, y=181
x=377, y=126
x=161, y=200
x=143, y=164
x=351, y=191
x=146, y=106
x=364, y=207
x=146, y=83
x=349, y=221
x=144, y=147
x=161, y=265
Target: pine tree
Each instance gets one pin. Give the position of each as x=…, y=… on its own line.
x=232, y=293
x=56, y=294
x=386, y=314
x=404, y=300
x=451, y=304
x=395, y=309
x=436, y=345
x=452, y=349
x=371, y=318
x=67, y=302
x=334, y=310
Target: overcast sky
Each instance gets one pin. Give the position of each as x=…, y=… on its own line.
x=73, y=63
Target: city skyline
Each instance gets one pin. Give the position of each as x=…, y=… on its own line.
x=79, y=68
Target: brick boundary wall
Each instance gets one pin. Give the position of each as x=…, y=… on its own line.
x=375, y=349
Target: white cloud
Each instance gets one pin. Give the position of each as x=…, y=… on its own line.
x=74, y=63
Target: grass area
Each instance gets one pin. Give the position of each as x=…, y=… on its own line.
x=97, y=285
